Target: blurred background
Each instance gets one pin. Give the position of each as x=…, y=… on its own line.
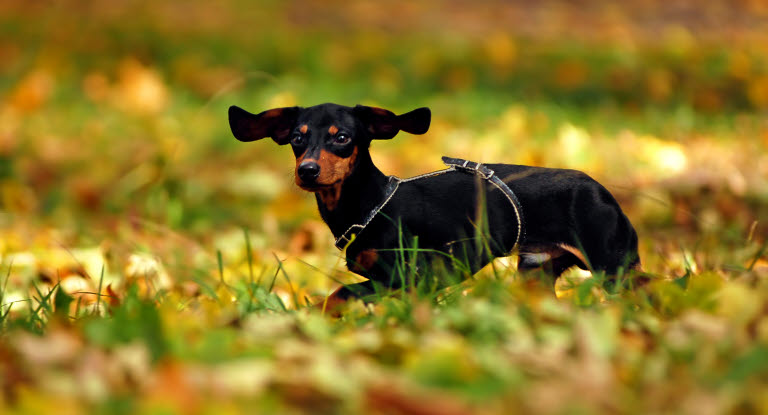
x=114, y=139
x=121, y=184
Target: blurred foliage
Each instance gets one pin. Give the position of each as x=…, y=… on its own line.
x=151, y=263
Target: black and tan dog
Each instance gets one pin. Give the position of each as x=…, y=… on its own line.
x=553, y=218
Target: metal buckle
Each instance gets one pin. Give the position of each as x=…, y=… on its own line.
x=347, y=237
x=483, y=171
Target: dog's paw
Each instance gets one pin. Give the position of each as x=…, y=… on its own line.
x=332, y=305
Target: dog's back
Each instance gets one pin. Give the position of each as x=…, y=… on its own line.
x=563, y=212
x=569, y=210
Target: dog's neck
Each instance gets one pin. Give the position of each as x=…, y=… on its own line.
x=361, y=192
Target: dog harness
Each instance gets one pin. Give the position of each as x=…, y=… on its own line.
x=454, y=164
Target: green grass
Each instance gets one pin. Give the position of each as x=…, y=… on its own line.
x=487, y=343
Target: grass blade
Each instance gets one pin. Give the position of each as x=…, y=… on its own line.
x=290, y=285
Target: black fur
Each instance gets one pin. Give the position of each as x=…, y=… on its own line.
x=569, y=218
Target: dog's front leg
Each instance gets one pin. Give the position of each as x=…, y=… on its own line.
x=376, y=265
x=338, y=298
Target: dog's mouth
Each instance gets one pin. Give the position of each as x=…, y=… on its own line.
x=311, y=187
x=315, y=187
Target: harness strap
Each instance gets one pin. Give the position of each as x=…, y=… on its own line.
x=462, y=165
x=345, y=238
x=490, y=175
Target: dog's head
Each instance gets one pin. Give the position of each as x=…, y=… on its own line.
x=327, y=139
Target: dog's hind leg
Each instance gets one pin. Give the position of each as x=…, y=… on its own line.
x=552, y=261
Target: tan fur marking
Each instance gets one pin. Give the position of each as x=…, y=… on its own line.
x=331, y=196
x=333, y=171
x=332, y=130
x=365, y=260
x=304, y=128
x=299, y=160
x=332, y=304
x=578, y=254
x=273, y=113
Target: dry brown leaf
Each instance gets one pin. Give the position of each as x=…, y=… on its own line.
x=391, y=399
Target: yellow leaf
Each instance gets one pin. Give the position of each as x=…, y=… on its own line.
x=501, y=51
x=33, y=91
x=757, y=91
x=140, y=89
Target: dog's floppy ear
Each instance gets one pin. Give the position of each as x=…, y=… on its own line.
x=276, y=123
x=384, y=124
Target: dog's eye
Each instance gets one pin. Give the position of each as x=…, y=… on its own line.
x=341, y=138
x=297, y=139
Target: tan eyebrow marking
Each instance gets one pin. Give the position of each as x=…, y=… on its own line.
x=333, y=130
x=304, y=128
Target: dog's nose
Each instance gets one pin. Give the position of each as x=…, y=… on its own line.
x=308, y=171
